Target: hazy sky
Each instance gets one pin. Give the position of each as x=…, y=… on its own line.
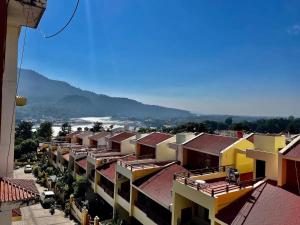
x=216, y=57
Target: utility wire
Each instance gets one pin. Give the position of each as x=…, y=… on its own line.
x=66, y=25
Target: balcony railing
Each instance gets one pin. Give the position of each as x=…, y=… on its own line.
x=107, y=190
x=138, y=163
x=203, y=171
x=214, y=188
x=152, y=213
x=124, y=194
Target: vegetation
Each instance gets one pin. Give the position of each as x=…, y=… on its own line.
x=44, y=132
x=97, y=127
x=66, y=128
x=26, y=141
x=276, y=125
x=80, y=187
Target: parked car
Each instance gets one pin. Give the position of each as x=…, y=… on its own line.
x=47, y=198
x=28, y=169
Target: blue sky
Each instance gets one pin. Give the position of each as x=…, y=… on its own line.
x=212, y=57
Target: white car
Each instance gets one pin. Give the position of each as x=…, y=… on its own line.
x=47, y=198
x=27, y=169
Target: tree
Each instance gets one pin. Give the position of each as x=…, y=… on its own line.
x=228, y=121
x=79, y=129
x=44, y=132
x=86, y=129
x=97, y=127
x=80, y=187
x=24, y=130
x=65, y=129
x=26, y=147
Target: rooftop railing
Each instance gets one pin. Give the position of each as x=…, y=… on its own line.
x=215, y=188
x=140, y=162
x=203, y=171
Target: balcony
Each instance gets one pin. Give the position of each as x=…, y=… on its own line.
x=154, y=211
x=212, y=187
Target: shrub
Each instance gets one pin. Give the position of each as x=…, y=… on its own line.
x=36, y=171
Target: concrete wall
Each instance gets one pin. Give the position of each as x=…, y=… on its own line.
x=127, y=147
x=236, y=155
x=164, y=152
x=269, y=143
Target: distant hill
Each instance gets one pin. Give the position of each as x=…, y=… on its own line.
x=57, y=99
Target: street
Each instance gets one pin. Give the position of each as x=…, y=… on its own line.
x=36, y=214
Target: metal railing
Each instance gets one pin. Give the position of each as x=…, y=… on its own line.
x=138, y=162
x=203, y=171
x=218, y=187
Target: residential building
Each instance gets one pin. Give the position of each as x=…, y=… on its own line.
x=121, y=142
x=214, y=151
x=265, y=155
x=156, y=146
x=289, y=167
x=99, y=140
x=83, y=138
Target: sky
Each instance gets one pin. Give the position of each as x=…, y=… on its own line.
x=208, y=57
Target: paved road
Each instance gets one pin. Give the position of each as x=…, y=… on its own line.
x=36, y=214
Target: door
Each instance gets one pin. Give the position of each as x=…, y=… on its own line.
x=260, y=168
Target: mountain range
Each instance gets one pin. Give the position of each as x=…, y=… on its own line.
x=48, y=98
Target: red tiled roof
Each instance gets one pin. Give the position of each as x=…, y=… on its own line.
x=266, y=205
x=82, y=163
x=72, y=134
x=109, y=172
x=154, y=139
x=159, y=186
x=99, y=135
x=294, y=151
x=122, y=136
x=209, y=143
x=12, y=190
x=66, y=156
x=84, y=134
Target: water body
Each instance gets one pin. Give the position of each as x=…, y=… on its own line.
x=89, y=122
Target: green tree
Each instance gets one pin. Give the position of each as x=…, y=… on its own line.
x=65, y=129
x=97, y=127
x=24, y=130
x=26, y=147
x=228, y=121
x=80, y=187
x=44, y=132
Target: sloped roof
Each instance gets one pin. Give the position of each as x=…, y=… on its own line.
x=99, y=135
x=154, y=139
x=109, y=172
x=266, y=205
x=84, y=134
x=159, y=185
x=82, y=163
x=210, y=143
x=122, y=136
x=72, y=134
x=293, y=149
x=13, y=190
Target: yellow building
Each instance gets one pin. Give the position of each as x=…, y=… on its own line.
x=265, y=154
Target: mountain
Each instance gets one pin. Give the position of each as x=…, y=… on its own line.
x=57, y=99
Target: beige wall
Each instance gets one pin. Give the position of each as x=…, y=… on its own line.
x=8, y=102
x=269, y=143
x=164, y=152
x=127, y=147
